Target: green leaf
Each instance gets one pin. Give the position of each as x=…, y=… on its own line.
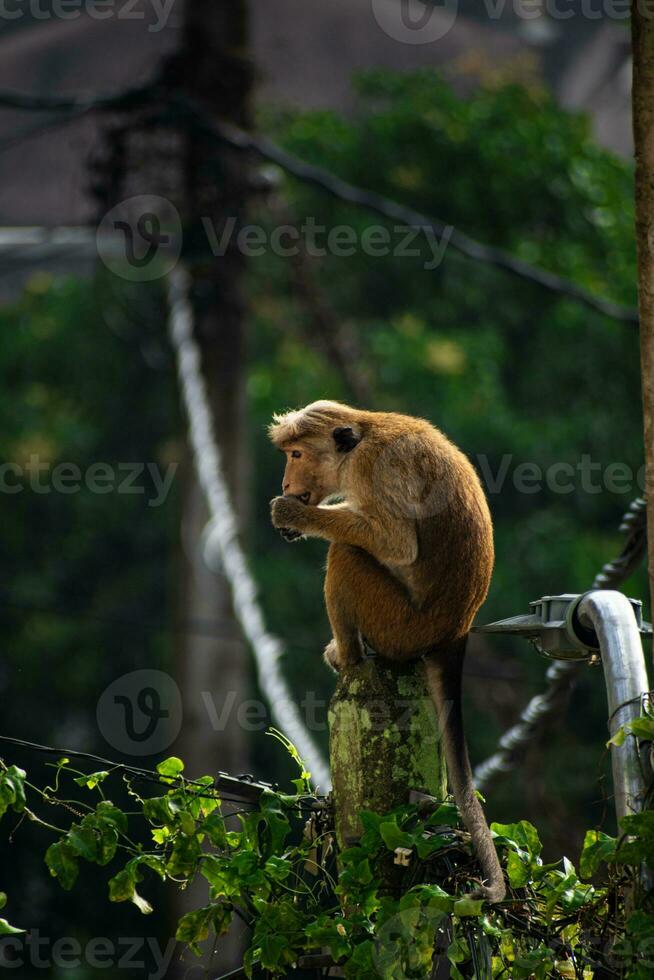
x=432, y=896
x=639, y=824
x=597, y=848
x=361, y=964
x=184, y=857
x=194, y=927
x=155, y=862
x=204, y=801
x=187, y=823
x=277, y=823
x=96, y=837
x=84, y=841
x=468, y=906
x=522, y=834
x=272, y=949
x=5, y=928
x=278, y=868
x=160, y=810
x=393, y=836
x=92, y=780
x=642, y=728
x=8, y=930
x=619, y=738
x=12, y=790
x=330, y=932
x=171, y=768
x=517, y=870
x=490, y=928
x=446, y=814
x=216, y=871
x=122, y=887
x=60, y=859
x=110, y=814
x=214, y=827
x=458, y=951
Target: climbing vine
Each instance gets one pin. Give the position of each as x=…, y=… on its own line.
x=272, y=864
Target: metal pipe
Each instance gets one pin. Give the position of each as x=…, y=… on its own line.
x=612, y=617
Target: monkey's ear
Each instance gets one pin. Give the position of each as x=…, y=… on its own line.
x=345, y=438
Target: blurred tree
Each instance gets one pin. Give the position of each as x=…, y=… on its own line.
x=643, y=118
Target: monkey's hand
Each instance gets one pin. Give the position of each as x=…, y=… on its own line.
x=288, y=516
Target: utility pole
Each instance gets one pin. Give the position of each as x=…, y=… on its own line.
x=642, y=27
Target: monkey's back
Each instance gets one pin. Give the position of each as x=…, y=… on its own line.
x=436, y=488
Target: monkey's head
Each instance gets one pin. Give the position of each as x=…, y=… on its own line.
x=316, y=441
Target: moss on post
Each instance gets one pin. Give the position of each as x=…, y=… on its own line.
x=384, y=742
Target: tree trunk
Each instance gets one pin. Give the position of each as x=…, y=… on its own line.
x=642, y=21
x=384, y=742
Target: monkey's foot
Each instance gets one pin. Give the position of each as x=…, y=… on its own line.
x=339, y=659
x=332, y=656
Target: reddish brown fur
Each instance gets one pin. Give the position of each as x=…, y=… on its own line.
x=410, y=558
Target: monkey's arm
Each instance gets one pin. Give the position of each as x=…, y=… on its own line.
x=392, y=543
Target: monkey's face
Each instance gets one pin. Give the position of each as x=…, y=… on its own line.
x=310, y=474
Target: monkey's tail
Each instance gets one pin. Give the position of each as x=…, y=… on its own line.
x=444, y=679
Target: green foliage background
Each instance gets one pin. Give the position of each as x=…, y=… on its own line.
x=501, y=366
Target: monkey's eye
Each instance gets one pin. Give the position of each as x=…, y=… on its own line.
x=296, y=454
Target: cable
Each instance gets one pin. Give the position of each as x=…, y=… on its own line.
x=344, y=191
x=37, y=102
x=387, y=208
x=562, y=674
x=41, y=127
x=222, y=530
x=249, y=789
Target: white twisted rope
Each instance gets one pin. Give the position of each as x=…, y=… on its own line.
x=222, y=537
